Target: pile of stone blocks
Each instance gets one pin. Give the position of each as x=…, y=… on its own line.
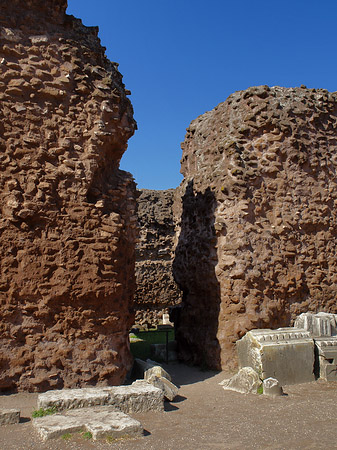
x=158, y=377
x=104, y=411
x=296, y=354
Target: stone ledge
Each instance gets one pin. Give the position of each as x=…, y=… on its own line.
x=138, y=397
x=103, y=421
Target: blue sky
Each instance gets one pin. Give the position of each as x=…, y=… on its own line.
x=180, y=58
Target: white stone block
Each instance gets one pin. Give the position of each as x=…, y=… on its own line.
x=101, y=421
x=138, y=397
x=286, y=354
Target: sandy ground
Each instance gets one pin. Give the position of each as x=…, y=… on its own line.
x=205, y=416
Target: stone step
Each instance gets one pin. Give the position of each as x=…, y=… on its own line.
x=101, y=422
x=140, y=396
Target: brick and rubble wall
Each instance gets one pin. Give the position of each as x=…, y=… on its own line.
x=258, y=217
x=68, y=214
x=156, y=289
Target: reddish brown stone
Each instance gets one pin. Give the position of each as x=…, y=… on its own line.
x=67, y=225
x=156, y=289
x=258, y=217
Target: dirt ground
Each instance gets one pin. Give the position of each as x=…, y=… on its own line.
x=205, y=416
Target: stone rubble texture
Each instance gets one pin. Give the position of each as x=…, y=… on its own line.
x=257, y=218
x=136, y=398
x=156, y=289
x=9, y=416
x=67, y=213
x=286, y=354
x=101, y=422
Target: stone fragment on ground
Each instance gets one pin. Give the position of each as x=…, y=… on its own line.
x=272, y=388
x=9, y=416
x=156, y=370
x=169, y=389
x=102, y=421
x=246, y=381
x=286, y=354
x=138, y=397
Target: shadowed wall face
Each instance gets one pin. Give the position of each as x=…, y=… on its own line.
x=268, y=156
x=68, y=220
x=156, y=289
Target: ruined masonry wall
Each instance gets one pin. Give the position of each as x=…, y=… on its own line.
x=68, y=220
x=156, y=289
x=258, y=217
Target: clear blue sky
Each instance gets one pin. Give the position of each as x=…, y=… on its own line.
x=180, y=58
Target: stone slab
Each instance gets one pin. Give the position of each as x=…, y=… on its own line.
x=9, y=416
x=286, y=354
x=101, y=421
x=169, y=389
x=140, y=396
x=320, y=324
x=246, y=381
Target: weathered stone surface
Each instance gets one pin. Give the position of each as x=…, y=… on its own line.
x=272, y=388
x=148, y=368
x=321, y=324
x=327, y=357
x=169, y=389
x=138, y=397
x=286, y=354
x=258, y=219
x=9, y=416
x=67, y=213
x=246, y=381
x=100, y=421
x=158, y=371
x=156, y=289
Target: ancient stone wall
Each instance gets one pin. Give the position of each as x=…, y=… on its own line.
x=156, y=289
x=258, y=217
x=68, y=220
